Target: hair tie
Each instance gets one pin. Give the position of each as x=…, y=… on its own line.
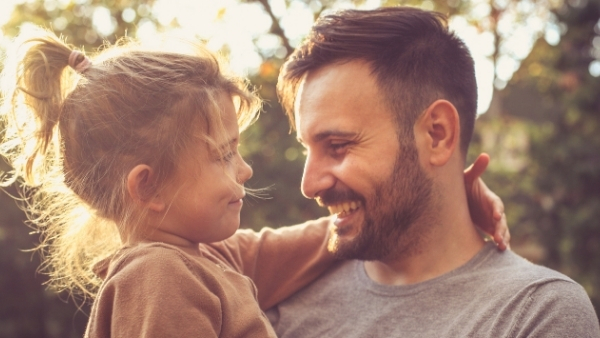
x=80, y=66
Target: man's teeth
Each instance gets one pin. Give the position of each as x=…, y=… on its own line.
x=343, y=208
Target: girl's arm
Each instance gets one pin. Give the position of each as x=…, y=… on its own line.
x=279, y=261
x=486, y=208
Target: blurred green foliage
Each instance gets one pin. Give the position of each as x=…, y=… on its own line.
x=544, y=139
x=542, y=132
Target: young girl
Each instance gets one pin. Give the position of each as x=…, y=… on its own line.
x=136, y=184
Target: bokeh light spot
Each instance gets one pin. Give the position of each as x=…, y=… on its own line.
x=103, y=21
x=291, y=154
x=595, y=68
x=128, y=15
x=60, y=23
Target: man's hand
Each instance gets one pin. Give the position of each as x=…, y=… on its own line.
x=486, y=208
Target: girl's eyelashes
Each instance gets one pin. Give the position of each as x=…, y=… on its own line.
x=228, y=157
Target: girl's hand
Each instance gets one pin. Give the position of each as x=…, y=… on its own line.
x=486, y=208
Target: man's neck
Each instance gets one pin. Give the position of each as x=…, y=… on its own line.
x=448, y=244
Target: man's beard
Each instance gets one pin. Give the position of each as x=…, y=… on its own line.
x=390, y=213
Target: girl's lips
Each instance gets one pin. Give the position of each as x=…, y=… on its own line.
x=238, y=201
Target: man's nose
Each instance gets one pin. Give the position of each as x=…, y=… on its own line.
x=317, y=176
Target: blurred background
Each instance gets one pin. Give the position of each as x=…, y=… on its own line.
x=538, y=71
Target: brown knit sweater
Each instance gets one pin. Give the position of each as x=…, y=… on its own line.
x=157, y=290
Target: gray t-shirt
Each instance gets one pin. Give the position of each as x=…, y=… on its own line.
x=493, y=295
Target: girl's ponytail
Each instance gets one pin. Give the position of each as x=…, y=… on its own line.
x=35, y=83
x=36, y=80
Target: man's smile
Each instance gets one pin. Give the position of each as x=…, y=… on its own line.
x=344, y=209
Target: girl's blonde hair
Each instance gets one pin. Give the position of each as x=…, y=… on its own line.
x=72, y=138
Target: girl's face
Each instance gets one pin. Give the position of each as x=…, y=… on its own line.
x=206, y=200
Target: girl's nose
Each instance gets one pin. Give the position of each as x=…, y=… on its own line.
x=244, y=171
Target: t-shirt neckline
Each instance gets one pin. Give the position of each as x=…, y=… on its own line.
x=403, y=290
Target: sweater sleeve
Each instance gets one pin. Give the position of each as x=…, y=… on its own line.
x=155, y=294
x=281, y=261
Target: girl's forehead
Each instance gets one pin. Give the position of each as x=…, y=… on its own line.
x=222, y=128
x=229, y=118
x=227, y=107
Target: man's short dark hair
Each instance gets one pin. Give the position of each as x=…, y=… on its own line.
x=413, y=56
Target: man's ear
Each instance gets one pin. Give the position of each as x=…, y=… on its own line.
x=141, y=188
x=439, y=132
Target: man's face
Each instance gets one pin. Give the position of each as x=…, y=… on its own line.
x=356, y=165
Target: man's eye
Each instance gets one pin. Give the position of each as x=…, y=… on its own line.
x=336, y=147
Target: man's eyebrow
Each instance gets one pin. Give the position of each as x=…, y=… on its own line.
x=330, y=133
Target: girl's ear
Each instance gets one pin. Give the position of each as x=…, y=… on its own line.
x=141, y=188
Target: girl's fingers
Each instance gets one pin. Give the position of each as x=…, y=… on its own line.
x=476, y=169
x=502, y=234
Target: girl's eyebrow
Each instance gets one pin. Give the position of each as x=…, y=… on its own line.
x=228, y=145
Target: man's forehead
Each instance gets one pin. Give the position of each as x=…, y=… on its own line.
x=314, y=91
x=297, y=99
x=332, y=94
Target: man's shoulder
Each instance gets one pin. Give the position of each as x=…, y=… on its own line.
x=551, y=304
x=532, y=299
x=509, y=273
x=511, y=267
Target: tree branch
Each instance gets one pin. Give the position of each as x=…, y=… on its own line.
x=276, y=28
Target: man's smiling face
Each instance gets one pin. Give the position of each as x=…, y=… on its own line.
x=355, y=165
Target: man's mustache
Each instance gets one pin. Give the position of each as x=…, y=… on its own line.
x=338, y=195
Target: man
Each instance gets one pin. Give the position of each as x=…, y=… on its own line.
x=384, y=102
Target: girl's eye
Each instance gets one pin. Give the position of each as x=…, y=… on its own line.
x=228, y=157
